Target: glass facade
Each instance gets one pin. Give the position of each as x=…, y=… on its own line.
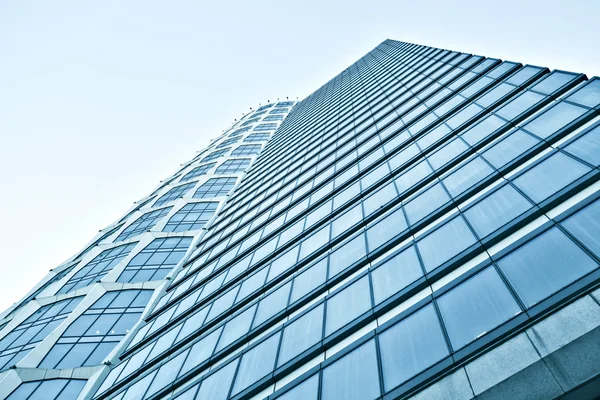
x=62, y=338
x=413, y=216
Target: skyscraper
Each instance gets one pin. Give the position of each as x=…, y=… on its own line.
x=425, y=225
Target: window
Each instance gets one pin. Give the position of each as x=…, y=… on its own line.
x=554, y=119
x=215, y=154
x=52, y=389
x=587, y=147
x=279, y=111
x=22, y=339
x=240, y=131
x=233, y=166
x=519, y=105
x=509, y=148
x=198, y=171
x=497, y=209
x=411, y=346
x=395, y=274
x=174, y=194
x=246, y=150
x=266, y=127
x=538, y=269
x=215, y=187
x=257, y=137
x=348, y=305
x=467, y=176
x=301, y=334
x=191, y=217
x=475, y=307
x=273, y=118
x=585, y=226
x=425, y=203
x=444, y=243
x=256, y=363
x=143, y=223
x=552, y=82
x=97, y=268
x=250, y=121
x=156, y=260
x=92, y=336
x=227, y=142
x=353, y=377
x=588, y=95
x=550, y=176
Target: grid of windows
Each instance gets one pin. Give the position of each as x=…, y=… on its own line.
x=233, y=166
x=240, y=131
x=198, y=171
x=174, y=194
x=250, y=121
x=22, y=339
x=265, y=127
x=191, y=217
x=412, y=163
x=257, y=137
x=89, y=339
x=52, y=389
x=228, y=142
x=215, y=187
x=156, y=260
x=94, y=270
x=216, y=154
x=279, y=111
x=247, y=150
x=277, y=117
x=143, y=223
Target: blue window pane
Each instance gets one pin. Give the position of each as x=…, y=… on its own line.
x=354, y=377
x=72, y=390
x=538, y=269
x=496, y=210
x=519, y=105
x=411, y=346
x=587, y=147
x=309, y=280
x=466, y=176
x=483, y=129
x=475, y=307
x=216, y=386
x=347, y=255
x=588, y=95
x=272, y=304
x=425, y=203
x=550, y=176
x=235, y=328
x=509, y=148
x=585, y=226
x=554, y=119
x=347, y=305
x=445, y=243
x=395, y=274
x=256, y=363
x=166, y=374
x=307, y=390
x=200, y=351
x=553, y=81
x=301, y=334
x=386, y=229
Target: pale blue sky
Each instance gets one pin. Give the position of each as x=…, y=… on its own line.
x=99, y=100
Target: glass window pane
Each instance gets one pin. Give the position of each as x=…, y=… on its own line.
x=425, y=203
x=475, y=307
x=347, y=255
x=587, y=147
x=538, y=269
x=554, y=119
x=307, y=390
x=445, y=243
x=550, y=176
x=509, y=148
x=348, y=305
x=301, y=334
x=585, y=226
x=256, y=363
x=354, y=377
x=309, y=279
x=395, y=274
x=411, y=346
x=496, y=210
x=387, y=228
x=216, y=386
x=466, y=176
x=588, y=95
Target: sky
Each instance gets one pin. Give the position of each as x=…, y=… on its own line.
x=99, y=100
